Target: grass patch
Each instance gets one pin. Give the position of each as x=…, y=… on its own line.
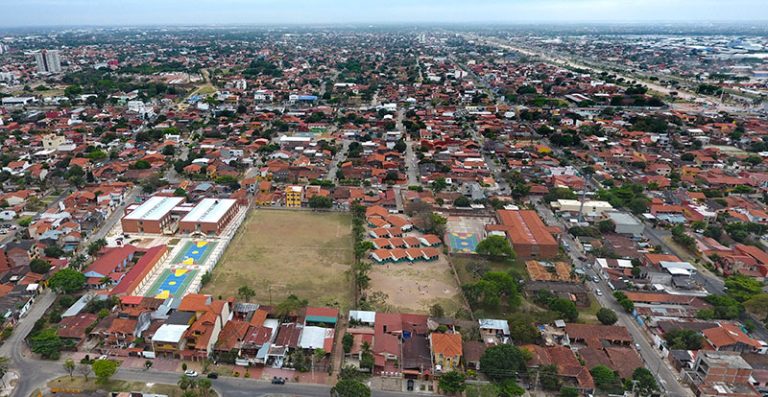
x=78, y=383
x=279, y=253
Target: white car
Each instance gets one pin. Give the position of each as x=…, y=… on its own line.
x=190, y=373
x=599, y=293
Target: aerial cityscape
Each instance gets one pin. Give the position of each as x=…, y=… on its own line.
x=480, y=199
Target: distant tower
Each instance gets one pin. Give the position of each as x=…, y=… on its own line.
x=48, y=61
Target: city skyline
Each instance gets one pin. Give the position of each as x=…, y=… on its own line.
x=204, y=12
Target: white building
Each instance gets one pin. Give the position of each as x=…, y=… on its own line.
x=48, y=61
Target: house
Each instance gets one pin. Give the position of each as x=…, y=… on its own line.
x=109, y=268
x=446, y=351
x=493, y=331
x=168, y=341
x=730, y=337
x=529, y=237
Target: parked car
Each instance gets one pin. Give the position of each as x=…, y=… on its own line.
x=278, y=381
x=599, y=293
x=410, y=384
x=213, y=375
x=190, y=373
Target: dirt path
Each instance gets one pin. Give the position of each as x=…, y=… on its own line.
x=337, y=356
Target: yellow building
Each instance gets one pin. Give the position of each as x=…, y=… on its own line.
x=293, y=196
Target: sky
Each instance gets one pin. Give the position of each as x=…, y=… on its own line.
x=27, y=13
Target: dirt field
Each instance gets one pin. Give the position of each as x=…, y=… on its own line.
x=413, y=288
x=289, y=252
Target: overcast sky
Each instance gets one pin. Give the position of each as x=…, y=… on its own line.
x=174, y=12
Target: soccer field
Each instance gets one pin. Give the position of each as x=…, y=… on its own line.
x=278, y=253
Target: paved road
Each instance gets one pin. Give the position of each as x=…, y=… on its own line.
x=29, y=370
x=340, y=156
x=665, y=375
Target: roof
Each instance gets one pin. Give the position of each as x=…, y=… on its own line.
x=155, y=208
x=194, y=303
x=171, y=333
x=137, y=273
x=112, y=258
x=594, y=334
x=449, y=345
x=321, y=315
x=727, y=335
x=74, y=327
x=314, y=337
x=489, y=323
x=209, y=210
x=525, y=227
x=363, y=316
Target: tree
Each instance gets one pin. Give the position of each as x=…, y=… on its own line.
x=742, y=288
x=439, y=184
x=607, y=316
x=289, y=306
x=350, y=388
x=567, y=391
x=69, y=366
x=53, y=251
x=503, y=362
x=67, y=281
x=85, y=370
x=548, y=377
x=185, y=383
x=436, y=311
x=347, y=341
x=522, y=330
x=142, y=165
x=683, y=339
x=245, y=293
x=147, y=365
x=564, y=307
x=758, y=305
x=318, y=201
x=606, y=226
x=462, y=201
x=495, y=246
x=606, y=380
x=350, y=372
x=400, y=146
x=452, y=382
x=204, y=387
x=104, y=369
x=96, y=246
x=39, y=266
x=47, y=344
x=646, y=383
x=510, y=388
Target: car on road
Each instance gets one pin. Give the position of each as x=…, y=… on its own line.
x=595, y=279
x=278, y=381
x=190, y=373
x=213, y=375
x=599, y=293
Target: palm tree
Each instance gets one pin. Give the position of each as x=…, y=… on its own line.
x=246, y=293
x=204, y=386
x=185, y=383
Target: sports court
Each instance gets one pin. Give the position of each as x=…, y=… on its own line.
x=194, y=253
x=463, y=242
x=172, y=282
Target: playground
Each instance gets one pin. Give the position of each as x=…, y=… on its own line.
x=172, y=282
x=463, y=242
x=194, y=253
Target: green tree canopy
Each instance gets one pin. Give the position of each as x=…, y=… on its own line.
x=496, y=246
x=606, y=380
x=452, y=382
x=67, y=281
x=607, y=316
x=350, y=388
x=104, y=369
x=46, y=343
x=503, y=362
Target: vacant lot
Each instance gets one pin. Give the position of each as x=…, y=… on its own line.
x=278, y=253
x=413, y=288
